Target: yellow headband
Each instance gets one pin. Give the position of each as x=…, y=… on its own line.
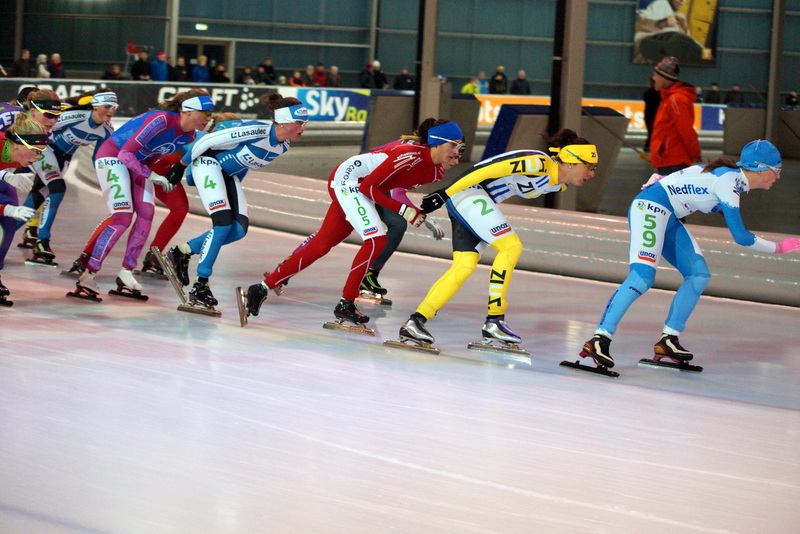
x=586, y=154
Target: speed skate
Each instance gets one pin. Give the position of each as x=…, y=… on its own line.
x=680, y=365
x=412, y=344
x=370, y=297
x=344, y=324
x=193, y=306
x=348, y=318
x=493, y=345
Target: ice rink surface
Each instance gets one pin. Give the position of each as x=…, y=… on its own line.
x=132, y=417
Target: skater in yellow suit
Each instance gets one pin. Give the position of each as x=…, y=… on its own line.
x=472, y=204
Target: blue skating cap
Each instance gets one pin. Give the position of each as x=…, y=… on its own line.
x=444, y=133
x=198, y=103
x=759, y=155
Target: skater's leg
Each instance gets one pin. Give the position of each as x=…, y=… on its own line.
x=369, y=250
x=96, y=234
x=509, y=249
x=115, y=182
x=144, y=207
x=178, y=204
x=682, y=252
x=8, y=225
x=447, y=286
x=640, y=279
x=50, y=208
x=396, y=227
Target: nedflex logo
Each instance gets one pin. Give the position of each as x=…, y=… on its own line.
x=687, y=189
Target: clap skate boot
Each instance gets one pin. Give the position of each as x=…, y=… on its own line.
x=250, y=302
x=201, y=300
x=151, y=267
x=180, y=264
x=279, y=288
x=597, y=349
x=346, y=312
x=414, y=336
x=167, y=268
x=4, y=293
x=127, y=286
x=372, y=291
x=86, y=288
x=42, y=255
x=78, y=266
x=29, y=237
x=498, y=336
x=668, y=348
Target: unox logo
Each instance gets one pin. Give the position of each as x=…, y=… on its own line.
x=687, y=189
x=370, y=231
x=217, y=205
x=121, y=206
x=500, y=230
x=647, y=256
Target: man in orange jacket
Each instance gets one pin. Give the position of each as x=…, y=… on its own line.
x=674, y=144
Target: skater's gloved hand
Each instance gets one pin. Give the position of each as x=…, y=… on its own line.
x=175, y=174
x=435, y=229
x=160, y=180
x=411, y=214
x=22, y=180
x=788, y=245
x=20, y=213
x=434, y=201
x=653, y=179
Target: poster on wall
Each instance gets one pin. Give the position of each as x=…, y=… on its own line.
x=686, y=29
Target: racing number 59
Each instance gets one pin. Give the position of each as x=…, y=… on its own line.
x=649, y=236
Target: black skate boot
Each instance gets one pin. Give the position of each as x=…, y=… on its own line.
x=346, y=311
x=414, y=336
x=42, y=255
x=201, y=300
x=669, y=353
x=597, y=349
x=4, y=293
x=29, y=237
x=151, y=267
x=78, y=266
x=498, y=337
x=180, y=264
x=250, y=302
x=370, y=284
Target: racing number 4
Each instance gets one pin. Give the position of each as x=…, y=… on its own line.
x=649, y=236
x=113, y=179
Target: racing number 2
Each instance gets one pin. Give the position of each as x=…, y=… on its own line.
x=485, y=209
x=113, y=179
x=649, y=236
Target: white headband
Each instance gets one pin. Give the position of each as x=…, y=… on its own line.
x=198, y=103
x=291, y=114
x=105, y=99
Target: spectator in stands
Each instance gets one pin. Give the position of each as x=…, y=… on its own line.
x=483, y=83
x=22, y=68
x=113, y=73
x=712, y=95
x=792, y=100
x=404, y=81
x=334, y=78
x=734, y=96
x=170, y=67
x=380, y=78
x=320, y=76
x=269, y=72
x=159, y=70
x=140, y=70
x=260, y=76
x=55, y=67
x=179, y=73
x=652, y=99
x=471, y=87
x=296, y=80
x=308, y=76
x=367, y=78
x=200, y=72
x=41, y=66
x=520, y=85
x=220, y=75
x=498, y=85
x=281, y=80
x=246, y=76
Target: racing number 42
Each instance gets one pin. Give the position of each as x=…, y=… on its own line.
x=113, y=179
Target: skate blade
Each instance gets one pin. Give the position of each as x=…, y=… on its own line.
x=170, y=274
x=512, y=348
x=200, y=310
x=151, y=274
x=127, y=293
x=599, y=370
x=41, y=263
x=412, y=345
x=373, y=298
x=354, y=328
x=4, y=302
x=71, y=274
x=24, y=245
x=671, y=365
x=84, y=296
x=240, y=302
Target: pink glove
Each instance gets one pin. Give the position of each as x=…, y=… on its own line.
x=787, y=245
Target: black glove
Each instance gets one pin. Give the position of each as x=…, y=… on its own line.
x=434, y=201
x=175, y=174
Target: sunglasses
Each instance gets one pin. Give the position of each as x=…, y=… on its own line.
x=590, y=166
x=776, y=170
x=29, y=146
x=460, y=146
x=301, y=123
x=51, y=114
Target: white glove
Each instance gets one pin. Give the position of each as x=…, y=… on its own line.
x=20, y=213
x=411, y=214
x=23, y=180
x=655, y=177
x=435, y=229
x=157, y=179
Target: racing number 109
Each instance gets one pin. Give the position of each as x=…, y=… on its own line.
x=649, y=236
